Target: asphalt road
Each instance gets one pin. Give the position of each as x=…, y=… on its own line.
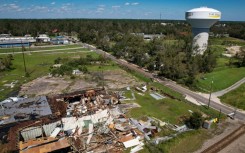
x=224, y=109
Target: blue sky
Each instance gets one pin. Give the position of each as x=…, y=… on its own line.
x=129, y=9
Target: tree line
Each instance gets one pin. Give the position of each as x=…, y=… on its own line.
x=170, y=55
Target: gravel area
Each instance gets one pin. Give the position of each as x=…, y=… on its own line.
x=238, y=146
x=224, y=130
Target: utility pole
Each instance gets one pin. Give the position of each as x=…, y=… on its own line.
x=234, y=113
x=219, y=114
x=210, y=93
x=23, y=55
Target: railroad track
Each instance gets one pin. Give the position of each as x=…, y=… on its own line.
x=218, y=146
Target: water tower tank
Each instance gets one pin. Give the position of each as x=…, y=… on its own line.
x=201, y=19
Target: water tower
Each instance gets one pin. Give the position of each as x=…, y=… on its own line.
x=201, y=19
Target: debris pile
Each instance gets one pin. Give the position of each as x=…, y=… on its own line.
x=85, y=121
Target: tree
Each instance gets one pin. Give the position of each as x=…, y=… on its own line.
x=84, y=69
x=6, y=62
x=241, y=57
x=195, y=121
x=57, y=60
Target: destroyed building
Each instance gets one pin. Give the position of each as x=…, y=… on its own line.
x=83, y=121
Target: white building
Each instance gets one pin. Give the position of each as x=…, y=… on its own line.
x=43, y=38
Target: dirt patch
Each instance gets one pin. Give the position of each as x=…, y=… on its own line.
x=119, y=79
x=233, y=50
x=113, y=79
x=81, y=84
x=44, y=86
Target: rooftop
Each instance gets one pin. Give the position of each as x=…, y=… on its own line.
x=24, y=109
x=203, y=9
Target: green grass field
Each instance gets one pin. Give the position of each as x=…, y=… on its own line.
x=104, y=67
x=180, y=143
x=13, y=50
x=235, y=97
x=222, y=76
x=221, y=79
x=218, y=49
x=168, y=110
x=37, y=65
x=226, y=41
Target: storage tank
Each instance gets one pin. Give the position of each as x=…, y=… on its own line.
x=201, y=19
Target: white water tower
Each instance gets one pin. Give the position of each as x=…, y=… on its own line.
x=201, y=19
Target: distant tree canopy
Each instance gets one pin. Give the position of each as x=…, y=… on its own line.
x=90, y=29
x=171, y=55
x=234, y=29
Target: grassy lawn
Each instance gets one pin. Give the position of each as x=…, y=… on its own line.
x=37, y=65
x=218, y=49
x=104, y=67
x=167, y=90
x=12, y=50
x=235, y=97
x=227, y=41
x=165, y=109
x=168, y=110
x=221, y=79
x=180, y=143
x=222, y=76
x=138, y=75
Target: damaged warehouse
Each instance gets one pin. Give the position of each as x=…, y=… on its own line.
x=84, y=121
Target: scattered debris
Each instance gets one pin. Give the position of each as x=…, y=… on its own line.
x=141, y=89
x=157, y=96
x=12, y=84
x=76, y=72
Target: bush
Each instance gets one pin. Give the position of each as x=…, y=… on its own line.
x=84, y=69
x=195, y=121
x=72, y=77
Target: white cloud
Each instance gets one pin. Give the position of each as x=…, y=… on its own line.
x=147, y=13
x=102, y=5
x=136, y=3
x=13, y=6
x=10, y=8
x=68, y=4
x=100, y=10
x=52, y=3
x=116, y=6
